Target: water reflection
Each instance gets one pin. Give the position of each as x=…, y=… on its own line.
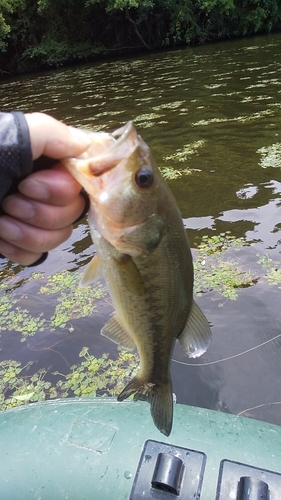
x=266, y=219
x=224, y=98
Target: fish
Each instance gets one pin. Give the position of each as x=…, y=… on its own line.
x=142, y=251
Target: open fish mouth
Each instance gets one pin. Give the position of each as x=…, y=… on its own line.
x=112, y=149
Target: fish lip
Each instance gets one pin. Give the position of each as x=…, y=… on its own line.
x=99, y=164
x=123, y=131
x=109, y=163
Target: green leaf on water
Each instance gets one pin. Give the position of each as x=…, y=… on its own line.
x=212, y=271
x=92, y=377
x=71, y=302
x=216, y=268
x=272, y=270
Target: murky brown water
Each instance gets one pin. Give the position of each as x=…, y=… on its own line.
x=215, y=109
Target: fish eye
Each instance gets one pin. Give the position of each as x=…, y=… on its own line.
x=144, y=178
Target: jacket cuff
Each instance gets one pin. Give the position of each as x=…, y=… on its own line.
x=15, y=151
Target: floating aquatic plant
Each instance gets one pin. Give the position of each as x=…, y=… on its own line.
x=98, y=376
x=271, y=155
x=170, y=105
x=181, y=155
x=224, y=276
x=215, y=267
x=147, y=120
x=213, y=272
x=220, y=243
x=241, y=119
x=272, y=270
x=187, y=150
x=20, y=320
x=72, y=302
x=93, y=377
x=18, y=388
x=215, y=85
x=170, y=173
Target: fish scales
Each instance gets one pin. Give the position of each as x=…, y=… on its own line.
x=143, y=253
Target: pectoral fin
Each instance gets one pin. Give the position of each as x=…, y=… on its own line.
x=130, y=275
x=196, y=335
x=93, y=272
x=115, y=331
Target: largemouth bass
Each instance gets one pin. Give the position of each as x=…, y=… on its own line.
x=143, y=253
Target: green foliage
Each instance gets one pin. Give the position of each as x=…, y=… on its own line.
x=214, y=272
x=7, y=8
x=36, y=33
x=72, y=302
x=67, y=34
x=273, y=270
x=224, y=5
x=170, y=173
x=181, y=155
x=53, y=52
x=128, y=4
x=4, y=30
x=215, y=269
x=183, y=26
x=93, y=377
x=254, y=16
x=270, y=155
x=219, y=243
x=22, y=321
x=100, y=376
x=17, y=388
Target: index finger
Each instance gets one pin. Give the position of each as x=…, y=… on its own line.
x=53, y=138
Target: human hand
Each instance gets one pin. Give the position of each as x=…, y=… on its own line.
x=39, y=216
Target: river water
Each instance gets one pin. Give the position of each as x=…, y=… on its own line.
x=216, y=110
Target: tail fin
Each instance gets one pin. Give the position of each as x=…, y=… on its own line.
x=160, y=398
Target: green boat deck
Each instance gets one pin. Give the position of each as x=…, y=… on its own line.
x=84, y=449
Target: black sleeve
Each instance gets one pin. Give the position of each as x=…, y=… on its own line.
x=15, y=151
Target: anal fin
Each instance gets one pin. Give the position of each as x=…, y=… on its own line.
x=196, y=335
x=115, y=331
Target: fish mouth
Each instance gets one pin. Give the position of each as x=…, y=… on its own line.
x=118, y=145
x=126, y=140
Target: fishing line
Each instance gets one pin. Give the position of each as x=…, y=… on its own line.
x=259, y=406
x=230, y=357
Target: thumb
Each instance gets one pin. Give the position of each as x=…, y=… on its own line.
x=53, y=138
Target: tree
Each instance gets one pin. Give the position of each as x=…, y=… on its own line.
x=47, y=33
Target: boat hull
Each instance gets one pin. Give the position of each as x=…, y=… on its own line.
x=90, y=448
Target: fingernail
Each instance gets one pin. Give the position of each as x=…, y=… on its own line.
x=9, y=231
x=34, y=189
x=82, y=136
x=40, y=260
x=18, y=207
